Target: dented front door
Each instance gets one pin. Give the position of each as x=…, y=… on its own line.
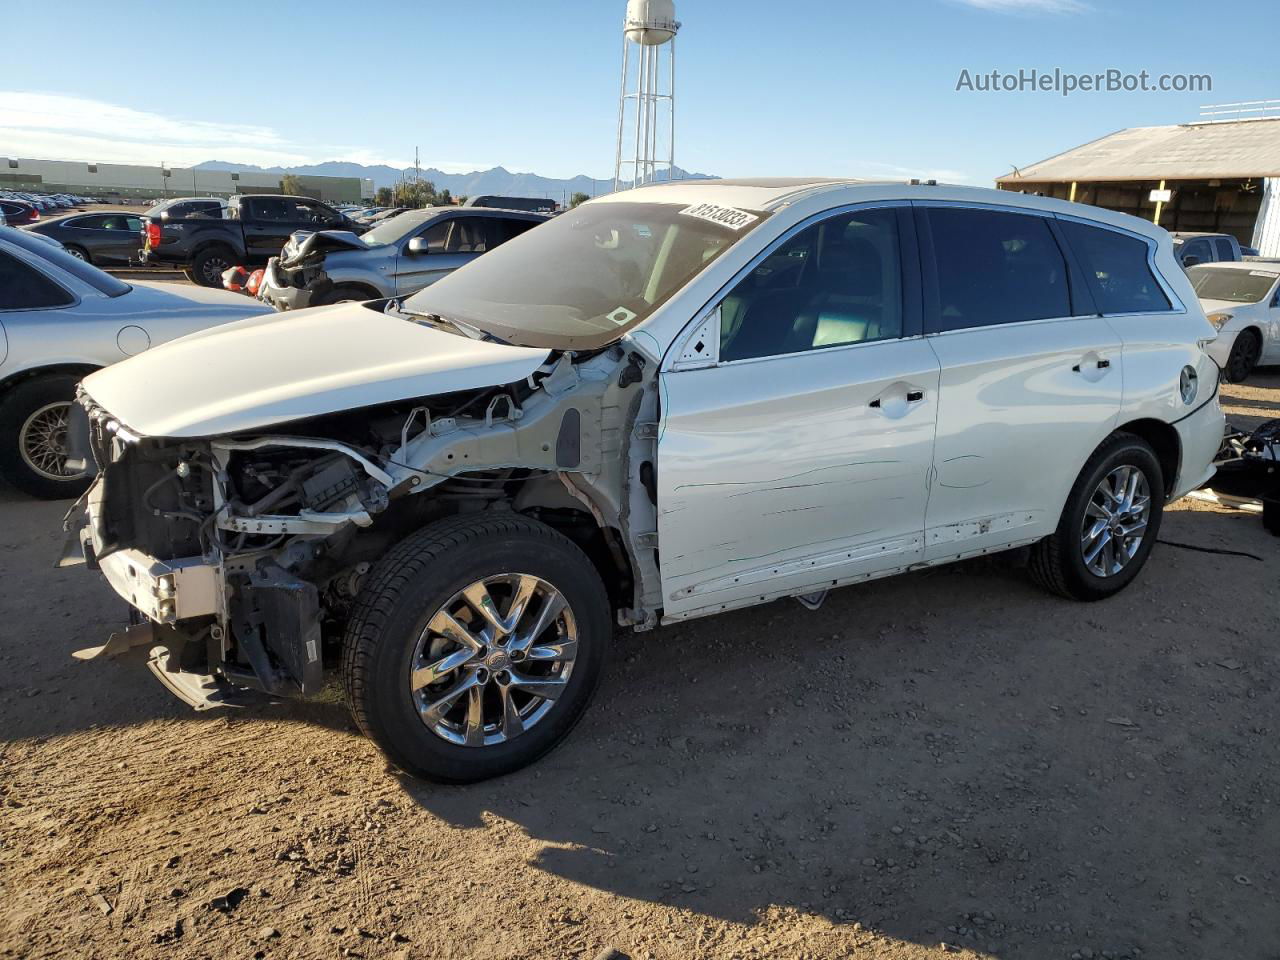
x=792, y=473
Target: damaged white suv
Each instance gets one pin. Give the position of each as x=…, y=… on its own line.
x=668, y=402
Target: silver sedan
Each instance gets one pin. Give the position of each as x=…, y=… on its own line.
x=61, y=319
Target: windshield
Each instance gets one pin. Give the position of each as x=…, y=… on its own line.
x=394, y=229
x=1236, y=286
x=583, y=279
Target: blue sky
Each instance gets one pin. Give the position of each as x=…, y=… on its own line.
x=809, y=86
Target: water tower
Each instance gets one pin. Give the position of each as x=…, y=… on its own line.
x=646, y=107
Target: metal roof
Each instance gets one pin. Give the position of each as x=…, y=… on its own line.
x=1188, y=151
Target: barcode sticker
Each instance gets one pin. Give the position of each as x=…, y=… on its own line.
x=730, y=217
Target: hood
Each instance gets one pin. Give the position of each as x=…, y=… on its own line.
x=1223, y=306
x=269, y=370
x=304, y=245
x=152, y=294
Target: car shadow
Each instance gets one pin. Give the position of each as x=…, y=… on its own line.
x=949, y=756
x=943, y=757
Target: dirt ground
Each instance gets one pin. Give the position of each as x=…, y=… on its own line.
x=950, y=757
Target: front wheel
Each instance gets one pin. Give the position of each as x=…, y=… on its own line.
x=33, y=438
x=343, y=293
x=80, y=253
x=1244, y=356
x=475, y=646
x=1108, y=526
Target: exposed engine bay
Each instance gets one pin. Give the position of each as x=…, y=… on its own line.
x=244, y=553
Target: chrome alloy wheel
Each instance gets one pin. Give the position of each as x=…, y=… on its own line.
x=1115, y=521
x=493, y=660
x=42, y=442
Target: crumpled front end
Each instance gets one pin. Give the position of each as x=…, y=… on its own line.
x=242, y=556
x=189, y=533
x=296, y=279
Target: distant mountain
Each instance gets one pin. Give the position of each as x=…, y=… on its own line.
x=499, y=181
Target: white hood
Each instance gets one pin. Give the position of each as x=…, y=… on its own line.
x=1222, y=306
x=288, y=366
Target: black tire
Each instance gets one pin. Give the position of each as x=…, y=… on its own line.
x=17, y=406
x=1057, y=561
x=208, y=265
x=1244, y=356
x=403, y=591
x=79, y=252
x=190, y=275
x=344, y=293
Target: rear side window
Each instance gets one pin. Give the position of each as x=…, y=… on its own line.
x=1222, y=247
x=995, y=268
x=1117, y=266
x=24, y=288
x=500, y=231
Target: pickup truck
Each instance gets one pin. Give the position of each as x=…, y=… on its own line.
x=254, y=229
x=1192, y=248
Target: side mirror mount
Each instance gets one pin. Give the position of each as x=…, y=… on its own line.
x=1190, y=260
x=418, y=247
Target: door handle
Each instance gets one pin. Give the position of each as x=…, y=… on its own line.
x=912, y=395
x=1100, y=364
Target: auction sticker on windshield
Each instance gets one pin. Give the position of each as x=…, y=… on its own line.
x=730, y=217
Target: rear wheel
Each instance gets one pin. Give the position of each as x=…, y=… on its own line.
x=475, y=646
x=80, y=253
x=209, y=264
x=1108, y=526
x=33, y=438
x=1244, y=356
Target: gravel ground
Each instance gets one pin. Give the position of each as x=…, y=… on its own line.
x=949, y=757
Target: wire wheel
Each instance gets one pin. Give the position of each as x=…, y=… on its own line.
x=493, y=660
x=42, y=441
x=1115, y=521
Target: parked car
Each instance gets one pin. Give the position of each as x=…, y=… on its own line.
x=537, y=204
x=17, y=213
x=104, y=239
x=396, y=258
x=382, y=215
x=255, y=228
x=1243, y=301
x=61, y=318
x=1193, y=248
x=665, y=403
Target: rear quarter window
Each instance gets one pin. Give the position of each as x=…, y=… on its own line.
x=1118, y=268
x=22, y=287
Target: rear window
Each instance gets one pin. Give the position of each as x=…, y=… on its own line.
x=25, y=288
x=85, y=272
x=1118, y=267
x=996, y=268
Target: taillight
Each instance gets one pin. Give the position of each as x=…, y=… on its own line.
x=153, y=234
